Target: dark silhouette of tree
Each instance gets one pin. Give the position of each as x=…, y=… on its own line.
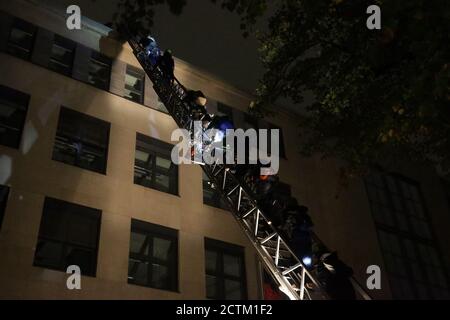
x=379, y=95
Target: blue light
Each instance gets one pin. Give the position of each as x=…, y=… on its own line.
x=307, y=261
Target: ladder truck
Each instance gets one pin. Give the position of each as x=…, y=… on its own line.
x=287, y=270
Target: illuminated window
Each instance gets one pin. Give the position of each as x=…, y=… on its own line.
x=153, y=167
x=68, y=235
x=13, y=111
x=412, y=260
x=225, y=271
x=81, y=140
x=134, y=84
x=62, y=55
x=4, y=191
x=21, y=39
x=153, y=260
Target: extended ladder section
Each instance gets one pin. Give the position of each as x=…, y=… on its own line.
x=292, y=276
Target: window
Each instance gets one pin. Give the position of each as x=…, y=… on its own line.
x=224, y=110
x=161, y=107
x=81, y=140
x=153, y=258
x=413, y=264
x=134, y=84
x=211, y=196
x=225, y=271
x=62, y=55
x=397, y=203
x=21, y=39
x=68, y=235
x=99, y=70
x=153, y=167
x=4, y=191
x=13, y=111
x=250, y=122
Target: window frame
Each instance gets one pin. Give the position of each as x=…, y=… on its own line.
x=82, y=118
x=160, y=106
x=152, y=231
x=216, y=201
x=403, y=236
x=251, y=121
x=153, y=147
x=63, y=43
x=223, y=248
x=226, y=110
x=4, y=197
x=24, y=24
x=20, y=101
x=100, y=59
x=94, y=215
x=140, y=76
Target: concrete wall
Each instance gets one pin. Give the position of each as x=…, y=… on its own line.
x=33, y=175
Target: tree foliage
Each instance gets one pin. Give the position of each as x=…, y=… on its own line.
x=379, y=95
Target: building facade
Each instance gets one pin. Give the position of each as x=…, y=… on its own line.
x=86, y=179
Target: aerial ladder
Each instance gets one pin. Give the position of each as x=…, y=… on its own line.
x=288, y=271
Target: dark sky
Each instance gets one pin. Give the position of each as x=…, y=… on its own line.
x=204, y=35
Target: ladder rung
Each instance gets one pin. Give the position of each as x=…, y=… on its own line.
x=285, y=272
x=271, y=251
x=268, y=238
x=233, y=190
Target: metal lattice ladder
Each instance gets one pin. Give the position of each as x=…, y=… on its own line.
x=293, y=278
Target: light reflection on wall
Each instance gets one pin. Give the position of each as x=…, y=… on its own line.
x=5, y=169
x=51, y=104
x=29, y=137
x=153, y=126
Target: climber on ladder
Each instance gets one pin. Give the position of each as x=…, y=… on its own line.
x=284, y=242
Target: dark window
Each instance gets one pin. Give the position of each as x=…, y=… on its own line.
x=211, y=196
x=81, y=140
x=68, y=235
x=21, y=38
x=250, y=121
x=153, y=256
x=134, y=84
x=224, y=110
x=413, y=263
x=13, y=111
x=225, y=270
x=4, y=191
x=62, y=55
x=161, y=107
x=153, y=167
x=99, y=70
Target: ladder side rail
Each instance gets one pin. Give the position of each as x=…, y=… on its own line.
x=157, y=78
x=355, y=283
x=254, y=239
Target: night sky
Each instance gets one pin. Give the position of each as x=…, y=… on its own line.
x=204, y=35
